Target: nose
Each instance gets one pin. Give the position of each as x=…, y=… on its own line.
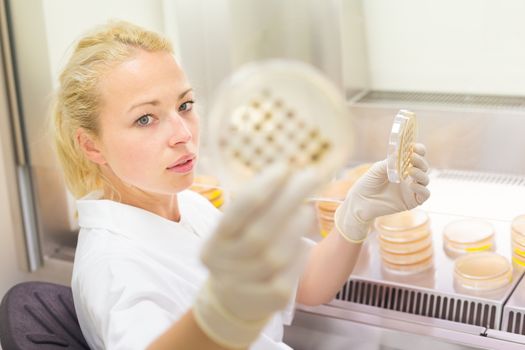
x=179, y=130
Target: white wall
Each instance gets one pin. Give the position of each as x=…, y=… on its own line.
x=467, y=46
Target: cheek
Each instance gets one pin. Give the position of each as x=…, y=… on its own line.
x=130, y=160
x=195, y=130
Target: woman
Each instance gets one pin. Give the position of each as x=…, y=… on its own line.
x=127, y=137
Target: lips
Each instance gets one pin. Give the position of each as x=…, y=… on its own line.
x=183, y=164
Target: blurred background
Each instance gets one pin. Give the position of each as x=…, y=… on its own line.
x=460, y=65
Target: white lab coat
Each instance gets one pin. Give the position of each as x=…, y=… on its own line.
x=136, y=273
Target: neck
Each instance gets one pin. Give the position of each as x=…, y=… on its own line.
x=165, y=205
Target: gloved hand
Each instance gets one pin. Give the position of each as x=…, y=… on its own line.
x=373, y=195
x=255, y=257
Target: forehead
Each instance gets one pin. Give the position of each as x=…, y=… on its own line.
x=145, y=74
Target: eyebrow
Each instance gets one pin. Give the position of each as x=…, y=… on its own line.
x=156, y=102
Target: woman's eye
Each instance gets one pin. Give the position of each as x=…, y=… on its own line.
x=145, y=120
x=186, y=106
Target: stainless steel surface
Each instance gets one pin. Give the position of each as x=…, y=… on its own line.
x=15, y=156
x=432, y=292
x=48, y=222
x=514, y=312
x=432, y=298
x=465, y=138
x=328, y=327
x=440, y=100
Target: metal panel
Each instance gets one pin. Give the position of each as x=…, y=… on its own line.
x=49, y=223
x=16, y=155
x=466, y=137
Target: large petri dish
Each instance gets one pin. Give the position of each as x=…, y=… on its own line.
x=408, y=269
x=408, y=259
x=468, y=235
x=406, y=226
x=518, y=229
x=278, y=111
x=482, y=271
x=404, y=247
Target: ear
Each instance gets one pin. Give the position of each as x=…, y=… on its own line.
x=90, y=147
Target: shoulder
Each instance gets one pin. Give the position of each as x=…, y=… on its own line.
x=199, y=209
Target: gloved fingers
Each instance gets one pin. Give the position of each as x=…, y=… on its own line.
x=291, y=244
x=375, y=176
x=271, y=222
x=253, y=200
x=421, y=193
x=259, y=239
x=252, y=300
x=256, y=255
x=419, y=176
x=276, y=235
x=231, y=263
x=420, y=149
x=295, y=269
x=419, y=162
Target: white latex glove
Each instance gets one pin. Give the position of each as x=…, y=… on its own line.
x=373, y=195
x=255, y=257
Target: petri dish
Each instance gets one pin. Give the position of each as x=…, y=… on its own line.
x=406, y=269
x=406, y=226
x=482, y=271
x=518, y=259
x=402, y=136
x=208, y=186
x=278, y=111
x=325, y=210
x=405, y=247
x=518, y=229
x=407, y=259
x=468, y=235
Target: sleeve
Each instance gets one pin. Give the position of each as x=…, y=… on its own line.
x=125, y=306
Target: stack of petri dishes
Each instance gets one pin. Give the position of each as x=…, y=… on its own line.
x=208, y=186
x=518, y=240
x=482, y=271
x=333, y=195
x=405, y=241
x=468, y=236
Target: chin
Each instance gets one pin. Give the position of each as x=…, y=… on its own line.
x=184, y=182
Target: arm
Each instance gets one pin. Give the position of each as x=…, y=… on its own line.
x=331, y=262
x=185, y=334
x=333, y=254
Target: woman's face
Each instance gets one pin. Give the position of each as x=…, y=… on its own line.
x=149, y=130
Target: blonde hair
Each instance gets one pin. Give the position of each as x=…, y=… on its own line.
x=77, y=101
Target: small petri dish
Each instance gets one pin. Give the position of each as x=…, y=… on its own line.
x=406, y=226
x=407, y=259
x=518, y=229
x=353, y=174
x=402, y=137
x=406, y=269
x=482, y=271
x=278, y=112
x=467, y=236
x=208, y=186
x=518, y=260
x=405, y=247
x=325, y=210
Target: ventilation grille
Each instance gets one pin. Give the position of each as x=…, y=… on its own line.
x=419, y=303
x=443, y=99
x=472, y=176
x=516, y=323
